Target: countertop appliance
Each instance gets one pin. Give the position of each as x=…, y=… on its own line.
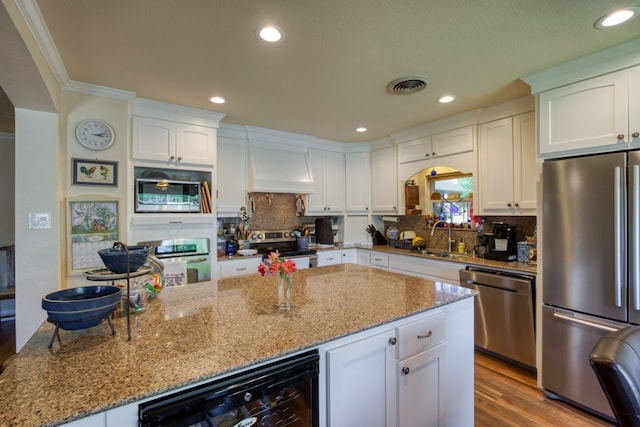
x=194, y=253
x=284, y=393
x=324, y=231
x=591, y=260
x=504, y=314
x=284, y=241
x=503, y=244
x=162, y=195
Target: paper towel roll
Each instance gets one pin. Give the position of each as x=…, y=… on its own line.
x=391, y=218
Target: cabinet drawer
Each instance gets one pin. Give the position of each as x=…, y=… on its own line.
x=239, y=268
x=420, y=335
x=379, y=260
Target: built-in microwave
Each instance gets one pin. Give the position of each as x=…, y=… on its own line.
x=162, y=195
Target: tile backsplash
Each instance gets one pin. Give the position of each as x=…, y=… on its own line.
x=525, y=226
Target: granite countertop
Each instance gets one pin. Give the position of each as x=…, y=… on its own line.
x=199, y=331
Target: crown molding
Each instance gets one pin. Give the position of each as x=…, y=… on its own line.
x=34, y=21
x=96, y=90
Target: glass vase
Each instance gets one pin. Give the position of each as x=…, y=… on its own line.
x=285, y=288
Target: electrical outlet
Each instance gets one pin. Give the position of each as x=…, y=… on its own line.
x=39, y=221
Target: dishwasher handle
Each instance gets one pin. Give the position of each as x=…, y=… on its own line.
x=506, y=282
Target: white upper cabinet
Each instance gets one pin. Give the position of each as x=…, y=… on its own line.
x=507, y=166
x=173, y=143
x=328, y=174
x=357, y=182
x=599, y=112
x=232, y=175
x=442, y=144
x=384, y=181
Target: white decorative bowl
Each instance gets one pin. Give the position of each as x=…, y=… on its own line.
x=247, y=252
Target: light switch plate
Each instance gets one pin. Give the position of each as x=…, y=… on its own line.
x=39, y=221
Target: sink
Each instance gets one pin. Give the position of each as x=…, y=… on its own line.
x=435, y=253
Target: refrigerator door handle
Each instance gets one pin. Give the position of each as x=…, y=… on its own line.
x=635, y=240
x=618, y=250
x=584, y=322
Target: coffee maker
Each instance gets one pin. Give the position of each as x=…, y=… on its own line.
x=503, y=245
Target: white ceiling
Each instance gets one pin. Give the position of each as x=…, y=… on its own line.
x=329, y=74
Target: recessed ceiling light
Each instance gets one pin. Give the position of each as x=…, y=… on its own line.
x=446, y=99
x=217, y=100
x=270, y=34
x=618, y=17
x=361, y=129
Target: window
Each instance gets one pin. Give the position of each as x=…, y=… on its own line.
x=451, y=197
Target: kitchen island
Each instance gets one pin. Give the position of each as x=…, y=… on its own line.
x=207, y=330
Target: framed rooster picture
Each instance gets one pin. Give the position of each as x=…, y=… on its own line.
x=95, y=172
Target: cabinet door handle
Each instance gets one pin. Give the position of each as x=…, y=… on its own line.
x=405, y=370
x=620, y=137
x=241, y=269
x=393, y=340
x=428, y=335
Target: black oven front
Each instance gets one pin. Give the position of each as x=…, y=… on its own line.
x=283, y=393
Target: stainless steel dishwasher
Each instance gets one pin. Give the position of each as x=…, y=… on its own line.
x=504, y=314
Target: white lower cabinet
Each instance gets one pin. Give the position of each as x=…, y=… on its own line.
x=419, y=400
x=420, y=374
x=380, y=260
x=361, y=382
x=331, y=257
x=239, y=267
x=364, y=258
x=349, y=256
x=425, y=268
x=420, y=370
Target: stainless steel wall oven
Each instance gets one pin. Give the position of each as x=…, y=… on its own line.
x=283, y=393
x=193, y=252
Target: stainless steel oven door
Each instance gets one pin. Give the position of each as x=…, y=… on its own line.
x=198, y=267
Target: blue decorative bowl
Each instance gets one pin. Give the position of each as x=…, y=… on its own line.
x=115, y=259
x=81, y=308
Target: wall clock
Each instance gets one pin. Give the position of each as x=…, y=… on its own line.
x=95, y=134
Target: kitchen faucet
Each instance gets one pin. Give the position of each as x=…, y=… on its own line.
x=433, y=230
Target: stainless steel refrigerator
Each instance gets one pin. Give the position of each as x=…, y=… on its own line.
x=590, y=273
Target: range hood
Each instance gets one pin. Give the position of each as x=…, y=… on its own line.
x=278, y=169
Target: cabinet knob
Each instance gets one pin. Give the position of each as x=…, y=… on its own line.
x=508, y=205
x=405, y=370
x=433, y=153
x=171, y=158
x=517, y=205
x=393, y=340
x=179, y=158
x=620, y=136
x=635, y=134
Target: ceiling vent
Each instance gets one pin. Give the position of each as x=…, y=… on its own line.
x=408, y=85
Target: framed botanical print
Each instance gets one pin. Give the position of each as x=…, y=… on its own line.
x=93, y=224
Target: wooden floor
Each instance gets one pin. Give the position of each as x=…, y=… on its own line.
x=505, y=395
x=7, y=340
